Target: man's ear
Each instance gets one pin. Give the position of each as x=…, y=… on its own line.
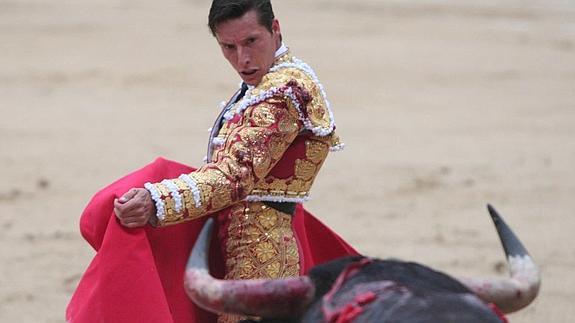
x=276, y=30
x=276, y=27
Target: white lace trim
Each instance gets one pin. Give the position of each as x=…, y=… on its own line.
x=274, y=198
x=338, y=147
x=175, y=193
x=160, y=207
x=196, y=194
x=217, y=141
x=303, y=66
x=249, y=99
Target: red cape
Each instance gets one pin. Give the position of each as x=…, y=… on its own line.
x=137, y=274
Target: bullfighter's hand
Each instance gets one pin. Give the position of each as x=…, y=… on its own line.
x=135, y=208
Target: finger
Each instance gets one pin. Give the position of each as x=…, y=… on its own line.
x=117, y=204
x=128, y=195
x=120, y=210
x=130, y=207
x=117, y=209
x=142, y=195
x=138, y=204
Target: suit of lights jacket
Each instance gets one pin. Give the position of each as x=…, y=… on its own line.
x=266, y=149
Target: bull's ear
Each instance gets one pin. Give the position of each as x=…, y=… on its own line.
x=518, y=291
x=264, y=298
x=325, y=275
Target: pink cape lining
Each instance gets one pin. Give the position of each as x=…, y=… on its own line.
x=137, y=274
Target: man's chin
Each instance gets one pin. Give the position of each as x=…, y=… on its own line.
x=251, y=79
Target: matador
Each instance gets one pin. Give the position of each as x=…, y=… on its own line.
x=265, y=150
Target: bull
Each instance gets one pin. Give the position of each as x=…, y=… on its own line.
x=361, y=289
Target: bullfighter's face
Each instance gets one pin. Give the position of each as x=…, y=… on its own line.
x=248, y=46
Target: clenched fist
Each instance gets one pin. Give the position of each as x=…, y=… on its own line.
x=135, y=208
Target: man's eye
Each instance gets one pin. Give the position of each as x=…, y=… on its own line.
x=251, y=41
x=229, y=47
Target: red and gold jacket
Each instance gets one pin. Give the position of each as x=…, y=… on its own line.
x=267, y=146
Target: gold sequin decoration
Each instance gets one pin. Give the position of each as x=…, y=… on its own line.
x=335, y=140
x=257, y=233
x=254, y=136
x=277, y=147
x=297, y=185
x=304, y=169
x=241, y=152
x=267, y=218
x=253, y=145
x=261, y=162
x=288, y=125
x=262, y=116
x=221, y=198
x=260, y=243
x=316, y=151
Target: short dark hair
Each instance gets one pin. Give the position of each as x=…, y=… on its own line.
x=224, y=10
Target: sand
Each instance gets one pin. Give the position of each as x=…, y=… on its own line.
x=444, y=106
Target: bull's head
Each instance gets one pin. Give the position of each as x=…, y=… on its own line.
x=291, y=296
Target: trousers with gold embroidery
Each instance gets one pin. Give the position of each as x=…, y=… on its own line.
x=257, y=242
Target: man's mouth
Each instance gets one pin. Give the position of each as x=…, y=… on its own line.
x=249, y=72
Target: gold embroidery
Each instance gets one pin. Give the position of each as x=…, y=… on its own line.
x=298, y=185
x=169, y=202
x=317, y=114
x=264, y=251
x=245, y=267
x=261, y=164
x=316, y=151
x=335, y=140
x=287, y=125
x=221, y=198
x=252, y=145
x=260, y=243
x=316, y=110
x=277, y=186
x=273, y=269
x=162, y=189
x=241, y=152
x=230, y=168
x=254, y=136
x=267, y=218
x=262, y=116
x=189, y=202
x=304, y=169
x=180, y=184
x=206, y=191
x=277, y=147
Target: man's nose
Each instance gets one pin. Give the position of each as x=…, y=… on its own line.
x=244, y=56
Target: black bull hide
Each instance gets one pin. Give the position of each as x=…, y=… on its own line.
x=404, y=292
x=361, y=289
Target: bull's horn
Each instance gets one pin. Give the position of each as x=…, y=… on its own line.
x=521, y=288
x=267, y=298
